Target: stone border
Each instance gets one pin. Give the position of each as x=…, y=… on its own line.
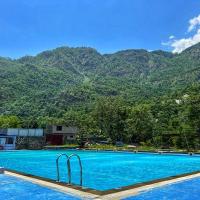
x=52, y=185
x=92, y=193
x=106, y=192
x=145, y=188
x=115, y=190
x=117, y=195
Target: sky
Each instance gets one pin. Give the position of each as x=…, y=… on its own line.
x=28, y=27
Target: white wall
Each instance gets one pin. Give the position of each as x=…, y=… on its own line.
x=25, y=132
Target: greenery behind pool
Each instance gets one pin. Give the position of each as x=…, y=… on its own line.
x=134, y=96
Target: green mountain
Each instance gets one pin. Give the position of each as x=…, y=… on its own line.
x=52, y=82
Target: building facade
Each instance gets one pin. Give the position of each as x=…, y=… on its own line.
x=59, y=134
x=15, y=138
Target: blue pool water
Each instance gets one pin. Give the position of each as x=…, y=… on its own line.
x=102, y=170
x=12, y=188
x=187, y=190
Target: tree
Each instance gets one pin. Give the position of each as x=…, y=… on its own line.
x=110, y=114
x=9, y=122
x=191, y=120
x=140, y=123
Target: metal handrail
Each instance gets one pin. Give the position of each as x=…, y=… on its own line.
x=57, y=166
x=80, y=165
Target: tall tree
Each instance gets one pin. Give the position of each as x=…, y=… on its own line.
x=110, y=114
x=140, y=123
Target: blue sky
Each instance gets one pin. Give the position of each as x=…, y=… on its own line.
x=28, y=27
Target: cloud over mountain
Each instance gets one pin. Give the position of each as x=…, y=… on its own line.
x=178, y=45
x=194, y=22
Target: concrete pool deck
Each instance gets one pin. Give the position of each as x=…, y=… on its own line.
x=77, y=194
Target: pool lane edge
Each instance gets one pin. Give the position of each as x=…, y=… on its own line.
x=92, y=193
x=134, y=192
x=52, y=184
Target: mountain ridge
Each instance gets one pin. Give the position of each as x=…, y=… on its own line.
x=55, y=80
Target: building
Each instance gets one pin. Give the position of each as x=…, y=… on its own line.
x=59, y=135
x=7, y=141
x=15, y=138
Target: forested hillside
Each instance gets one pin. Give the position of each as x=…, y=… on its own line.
x=54, y=81
x=68, y=85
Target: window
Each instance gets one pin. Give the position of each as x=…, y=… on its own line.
x=9, y=140
x=59, y=128
x=71, y=136
x=2, y=141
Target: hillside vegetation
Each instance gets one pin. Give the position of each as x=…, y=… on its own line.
x=109, y=94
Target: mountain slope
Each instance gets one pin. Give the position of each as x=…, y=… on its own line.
x=52, y=82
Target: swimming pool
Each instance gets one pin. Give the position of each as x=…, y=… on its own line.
x=101, y=170
x=17, y=189
x=184, y=190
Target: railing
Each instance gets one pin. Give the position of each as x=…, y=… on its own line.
x=80, y=165
x=57, y=166
x=69, y=167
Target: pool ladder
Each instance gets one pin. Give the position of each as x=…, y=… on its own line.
x=69, y=167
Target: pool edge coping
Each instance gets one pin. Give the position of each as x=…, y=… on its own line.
x=97, y=194
x=146, y=188
x=52, y=185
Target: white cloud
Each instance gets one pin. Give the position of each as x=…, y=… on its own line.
x=193, y=23
x=169, y=42
x=182, y=44
x=166, y=43
x=171, y=37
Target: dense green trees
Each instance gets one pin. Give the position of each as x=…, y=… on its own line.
x=140, y=124
x=133, y=95
x=53, y=82
x=9, y=122
x=168, y=121
x=110, y=115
